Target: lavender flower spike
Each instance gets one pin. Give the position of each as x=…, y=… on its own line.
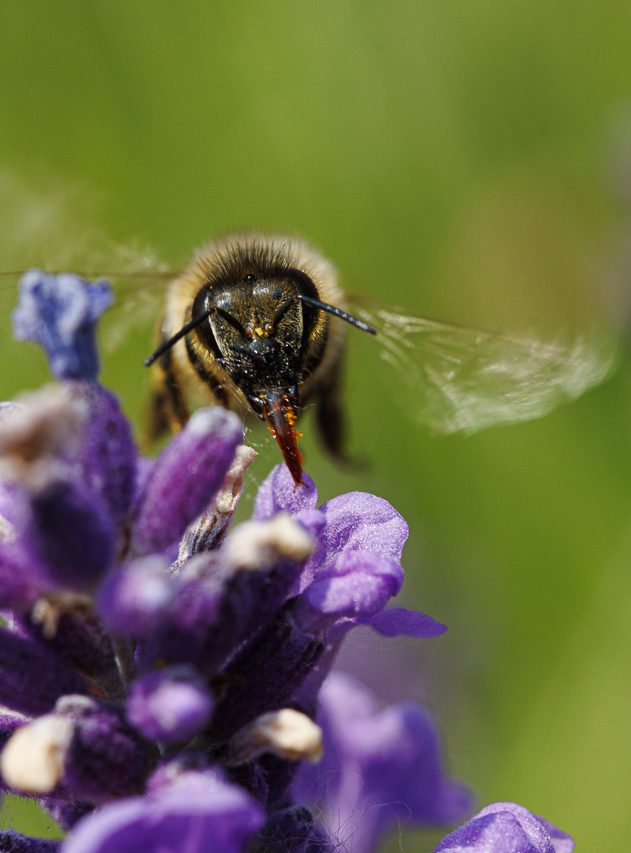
x=60, y=313
x=506, y=828
x=166, y=673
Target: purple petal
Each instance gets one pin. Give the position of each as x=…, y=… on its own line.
x=278, y=493
x=198, y=811
x=358, y=521
x=170, y=706
x=380, y=767
x=358, y=594
x=359, y=584
x=561, y=841
x=185, y=478
x=504, y=828
x=31, y=677
x=59, y=312
x=400, y=622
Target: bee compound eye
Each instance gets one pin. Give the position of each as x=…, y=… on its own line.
x=268, y=328
x=249, y=332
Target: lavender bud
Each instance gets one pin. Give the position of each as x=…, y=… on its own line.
x=169, y=706
x=59, y=312
x=105, y=758
x=185, y=478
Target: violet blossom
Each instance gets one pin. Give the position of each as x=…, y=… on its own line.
x=167, y=677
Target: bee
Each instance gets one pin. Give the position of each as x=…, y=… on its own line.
x=250, y=323
x=257, y=323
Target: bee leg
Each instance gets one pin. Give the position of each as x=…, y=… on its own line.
x=167, y=409
x=330, y=417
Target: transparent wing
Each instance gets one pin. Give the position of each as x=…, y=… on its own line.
x=460, y=379
x=55, y=228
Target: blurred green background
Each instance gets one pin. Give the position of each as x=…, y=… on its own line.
x=468, y=160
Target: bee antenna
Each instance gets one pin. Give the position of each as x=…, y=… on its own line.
x=337, y=312
x=166, y=345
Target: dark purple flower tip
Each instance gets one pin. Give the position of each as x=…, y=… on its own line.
x=506, y=828
x=59, y=312
x=62, y=540
x=134, y=599
x=400, y=622
x=198, y=811
x=32, y=678
x=105, y=459
x=14, y=842
x=380, y=767
x=278, y=493
x=70, y=537
x=185, y=478
x=74, y=633
x=170, y=706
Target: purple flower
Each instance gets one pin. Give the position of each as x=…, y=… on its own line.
x=506, y=828
x=381, y=768
x=163, y=670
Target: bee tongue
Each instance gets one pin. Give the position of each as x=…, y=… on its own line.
x=281, y=417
